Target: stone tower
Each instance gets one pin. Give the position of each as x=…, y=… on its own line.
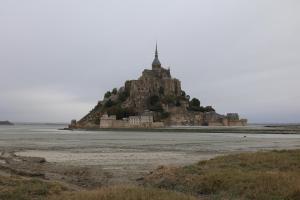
x=156, y=64
x=156, y=81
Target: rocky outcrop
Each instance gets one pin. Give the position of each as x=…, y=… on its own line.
x=156, y=91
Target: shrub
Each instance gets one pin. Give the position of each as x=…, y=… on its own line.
x=153, y=100
x=109, y=103
x=208, y=109
x=187, y=97
x=114, y=91
x=177, y=103
x=201, y=109
x=165, y=115
x=183, y=94
x=120, y=112
x=107, y=94
x=123, y=96
x=161, y=91
x=156, y=108
x=195, y=102
x=169, y=99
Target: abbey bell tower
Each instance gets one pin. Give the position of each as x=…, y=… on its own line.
x=156, y=64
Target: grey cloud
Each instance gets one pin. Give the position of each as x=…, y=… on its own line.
x=237, y=55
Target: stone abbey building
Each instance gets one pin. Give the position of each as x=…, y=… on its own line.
x=155, y=81
x=154, y=100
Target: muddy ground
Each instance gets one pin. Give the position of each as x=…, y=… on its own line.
x=91, y=159
x=72, y=176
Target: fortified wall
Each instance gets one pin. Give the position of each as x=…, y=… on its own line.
x=180, y=117
x=141, y=121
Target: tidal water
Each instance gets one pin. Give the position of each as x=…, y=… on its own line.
x=133, y=151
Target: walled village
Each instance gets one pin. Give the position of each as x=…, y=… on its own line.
x=155, y=100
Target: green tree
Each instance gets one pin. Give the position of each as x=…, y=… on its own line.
x=114, y=91
x=120, y=112
x=107, y=94
x=183, y=94
x=177, y=103
x=123, y=96
x=156, y=108
x=169, y=99
x=195, y=102
x=153, y=100
x=209, y=109
x=109, y=103
x=161, y=91
x=155, y=104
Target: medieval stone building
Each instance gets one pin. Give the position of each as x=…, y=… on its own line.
x=144, y=120
x=155, y=81
x=161, y=94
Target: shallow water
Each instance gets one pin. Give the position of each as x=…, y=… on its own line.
x=133, y=151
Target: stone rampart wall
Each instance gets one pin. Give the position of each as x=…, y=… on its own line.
x=125, y=124
x=241, y=122
x=215, y=124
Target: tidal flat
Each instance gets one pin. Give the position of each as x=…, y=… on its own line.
x=97, y=158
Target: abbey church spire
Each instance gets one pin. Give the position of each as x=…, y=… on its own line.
x=156, y=63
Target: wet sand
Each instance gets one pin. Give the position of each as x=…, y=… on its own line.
x=124, y=156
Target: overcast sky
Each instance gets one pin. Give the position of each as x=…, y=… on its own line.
x=58, y=57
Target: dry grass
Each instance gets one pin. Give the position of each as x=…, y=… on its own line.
x=257, y=176
x=16, y=188
x=124, y=193
x=260, y=176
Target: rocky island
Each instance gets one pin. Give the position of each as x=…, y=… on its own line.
x=6, y=123
x=154, y=100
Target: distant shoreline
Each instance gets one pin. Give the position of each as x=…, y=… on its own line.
x=6, y=123
x=247, y=130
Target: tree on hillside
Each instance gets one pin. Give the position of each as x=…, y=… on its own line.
x=195, y=102
x=183, y=94
x=123, y=96
x=155, y=104
x=187, y=97
x=114, y=91
x=107, y=94
x=109, y=103
x=161, y=91
x=154, y=100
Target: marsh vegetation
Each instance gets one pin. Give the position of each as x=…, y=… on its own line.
x=255, y=176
